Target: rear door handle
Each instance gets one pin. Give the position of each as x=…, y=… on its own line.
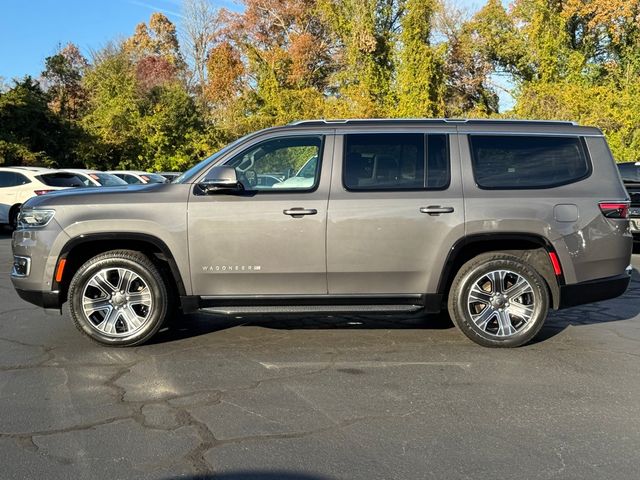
x=436, y=210
x=297, y=212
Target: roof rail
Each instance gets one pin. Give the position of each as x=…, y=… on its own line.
x=471, y=121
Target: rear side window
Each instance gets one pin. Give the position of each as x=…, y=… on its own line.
x=517, y=161
x=410, y=161
x=61, y=179
x=12, y=179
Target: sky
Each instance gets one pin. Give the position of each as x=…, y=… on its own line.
x=31, y=30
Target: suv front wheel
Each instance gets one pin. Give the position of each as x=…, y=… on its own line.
x=119, y=298
x=498, y=300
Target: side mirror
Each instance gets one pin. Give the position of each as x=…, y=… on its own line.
x=221, y=179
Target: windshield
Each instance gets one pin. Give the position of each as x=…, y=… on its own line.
x=199, y=167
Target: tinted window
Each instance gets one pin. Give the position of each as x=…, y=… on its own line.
x=153, y=178
x=130, y=179
x=107, y=180
x=282, y=163
x=395, y=161
x=61, y=179
x=437, y=161
x=515, y=161
x=630, y=172
x=12, y=179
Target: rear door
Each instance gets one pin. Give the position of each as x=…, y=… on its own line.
x=395, y=210
x=8, y=183
x=270, y=239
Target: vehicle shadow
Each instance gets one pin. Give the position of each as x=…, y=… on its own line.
x=625, y=307
x=203, y=323
x=622, y=308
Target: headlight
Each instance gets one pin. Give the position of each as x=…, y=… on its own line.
x=34, y=218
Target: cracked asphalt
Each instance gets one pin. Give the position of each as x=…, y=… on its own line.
x=320, y=398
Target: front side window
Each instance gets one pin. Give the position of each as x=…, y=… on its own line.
x=518, y=161
x=289, y=163
x=410, y=161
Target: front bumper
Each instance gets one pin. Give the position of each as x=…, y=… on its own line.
x=594, y=290
x=41, y=299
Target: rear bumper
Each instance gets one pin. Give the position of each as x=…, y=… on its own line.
x=594, y=290
x=41, y=299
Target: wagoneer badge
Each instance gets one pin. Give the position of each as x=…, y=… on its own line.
x=230, y=268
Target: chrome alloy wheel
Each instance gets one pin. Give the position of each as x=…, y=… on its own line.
x=117, y=302
x=501, y=303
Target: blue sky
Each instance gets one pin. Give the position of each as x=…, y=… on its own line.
x=31, y=30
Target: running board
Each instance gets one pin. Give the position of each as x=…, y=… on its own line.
x=234, y=310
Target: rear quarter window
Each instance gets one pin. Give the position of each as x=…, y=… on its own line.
x=520, y=161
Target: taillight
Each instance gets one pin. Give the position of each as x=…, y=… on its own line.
x=615, y=209
x=42, y=192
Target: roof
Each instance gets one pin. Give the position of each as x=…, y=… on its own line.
x=460, y=125
x=28, y=169
x=431, y=121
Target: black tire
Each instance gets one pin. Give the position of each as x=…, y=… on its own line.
x=13, y=217
x=476, y=274
x=149, y=276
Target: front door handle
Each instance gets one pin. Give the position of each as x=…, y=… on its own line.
x=436, y=210
x=297, y=212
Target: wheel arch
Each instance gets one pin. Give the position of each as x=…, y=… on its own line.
x=15, y=208
x=80, y=249
x=532, y=248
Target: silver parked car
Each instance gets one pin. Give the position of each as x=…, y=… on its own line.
x=96, y=178
x=134, y=177
x=498, y=221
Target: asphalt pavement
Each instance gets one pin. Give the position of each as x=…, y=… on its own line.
x=320, y=398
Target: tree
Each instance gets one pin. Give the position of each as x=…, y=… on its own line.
x=31, y=133
x=113, y=115
x=200, y=24
x=159, y=39
x=420, y=71
x=62, y=78
x=364, y=30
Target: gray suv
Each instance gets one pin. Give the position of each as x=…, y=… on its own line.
x=498, y=221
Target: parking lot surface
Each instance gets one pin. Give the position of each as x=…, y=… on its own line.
x=320, y=398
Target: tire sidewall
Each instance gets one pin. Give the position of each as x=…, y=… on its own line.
x=541, y=302
x=153, y=280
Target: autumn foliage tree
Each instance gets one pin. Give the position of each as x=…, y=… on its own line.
x=161, y=99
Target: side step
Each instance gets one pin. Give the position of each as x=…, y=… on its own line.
x=233, y=310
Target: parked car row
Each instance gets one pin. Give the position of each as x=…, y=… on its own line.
x=18, y=184
x=630, y=173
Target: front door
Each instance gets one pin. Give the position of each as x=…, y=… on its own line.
x=395, y=210
x=270, y=239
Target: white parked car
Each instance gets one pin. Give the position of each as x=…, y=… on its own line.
x=134, y=177
x=18, y=184
x=96, y=178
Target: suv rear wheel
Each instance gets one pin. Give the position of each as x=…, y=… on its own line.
x=119, y=298
x=498, y=300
